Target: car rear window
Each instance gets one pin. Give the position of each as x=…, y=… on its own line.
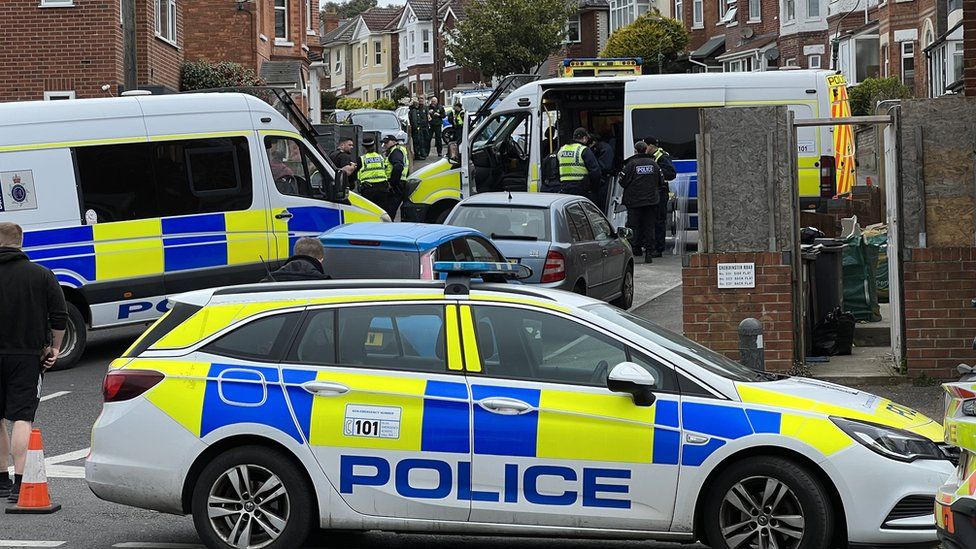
x=173, y=318
x=505, y=222
x=370, y=262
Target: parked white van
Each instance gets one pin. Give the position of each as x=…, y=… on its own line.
x=131, y=199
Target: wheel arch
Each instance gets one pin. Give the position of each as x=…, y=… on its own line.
x=76, y=298
x=840, y=517
x=437, y=208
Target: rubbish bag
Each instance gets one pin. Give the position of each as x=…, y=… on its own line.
x=860, y=279
x=835, y=334
x=877, y=235
x=809, y=235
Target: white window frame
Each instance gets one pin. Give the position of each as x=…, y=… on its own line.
x=698, y=14
x=338, y=62
x=729, y=18
x=792, y=62
x=308, y=17
x=810, y=62
x=169, y=33
x=284, y=8
x=366, y=94
x=59, y=95
x=579, y=30
x=678, y=6
x=413, y=43
x=425, y=38
x=789, y=10
x=901, y=68
x=755, y=11
x=59, y=4
x=885, y=60
x=366, y=54
x=810, y=12
x=378, y=52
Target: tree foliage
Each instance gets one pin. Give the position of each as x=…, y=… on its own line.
x=349, y=8
x=202, y=75
x=328, y=99
x=864, y=96
x=399, y=92
x=657, y=40
x=502, y=37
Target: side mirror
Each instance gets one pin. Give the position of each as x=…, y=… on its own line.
x=625, y=232
x=634, y=380
x=340, y=187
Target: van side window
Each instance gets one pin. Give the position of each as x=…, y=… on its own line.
x=202, y=175
x=295, y=170
x=675, y=129
x=116, y=181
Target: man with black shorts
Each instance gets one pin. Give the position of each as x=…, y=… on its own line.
x=33, y=316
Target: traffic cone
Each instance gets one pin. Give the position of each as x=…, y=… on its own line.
x=34, y=498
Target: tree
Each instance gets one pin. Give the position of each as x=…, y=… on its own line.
x=328, y=99
x=399, y=92
x=349, y=8
x=657, y=40
x=864, y=96
x=384, y=103
x=202, y=75
x=502, y=37
x=350, y=103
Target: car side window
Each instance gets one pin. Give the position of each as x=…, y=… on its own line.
x=264, y=339
x=602, y=229
x=454, y=250
x=665, y=378
x=295, y=170
x=481, y=250
x=393, y=337
x=578, y=220
x=517, y=343
x=316, y=339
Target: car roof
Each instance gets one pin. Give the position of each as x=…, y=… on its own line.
x=412, y=236
x=539, y=200
x=367, y=111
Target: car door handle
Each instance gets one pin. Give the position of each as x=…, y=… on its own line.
x=606, y=253
x=283, y=215
x=582, y=257
x=325, y=388
x=505, y=406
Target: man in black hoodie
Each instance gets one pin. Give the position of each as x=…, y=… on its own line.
x=304, y=264
x=33, y=317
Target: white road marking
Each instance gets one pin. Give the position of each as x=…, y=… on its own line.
x=29, y=543
x=53, y=467
x=53, y=395
x=70, y=456
x=157, y=545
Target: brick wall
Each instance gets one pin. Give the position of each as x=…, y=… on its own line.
x=232, y=40
x=969, y=45
x=157, y=61
x=940, y=323
x=792, y=47
x=712, y=315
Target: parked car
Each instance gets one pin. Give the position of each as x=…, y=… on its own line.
x=376, y=120
x=401, y=250
x=403, y=114
x=565, y=239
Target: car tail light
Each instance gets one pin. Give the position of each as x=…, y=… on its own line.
x=427, y=266
x=120, y=385
x=555, y=268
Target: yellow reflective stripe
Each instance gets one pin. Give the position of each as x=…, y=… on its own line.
x=364, y=210
x=128, y=249
x=601, y=427
x=818, y=432
x=204, y=323
x=472, y=360
x=181, y=393
x=522, y=301
x=175, y=136
x=672, y=105
x=281, y=133
x=454, y=358
x=143, y=336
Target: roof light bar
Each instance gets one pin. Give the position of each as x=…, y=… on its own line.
x=475, y=267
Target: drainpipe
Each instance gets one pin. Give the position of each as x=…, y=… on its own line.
x=699, y=63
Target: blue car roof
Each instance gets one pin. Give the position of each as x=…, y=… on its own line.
x=396, y=236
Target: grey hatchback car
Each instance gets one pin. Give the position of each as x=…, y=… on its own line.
x=565, y=239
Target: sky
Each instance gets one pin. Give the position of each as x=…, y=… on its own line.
x=381, y=2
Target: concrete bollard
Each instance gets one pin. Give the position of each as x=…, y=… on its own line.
x=751, y=344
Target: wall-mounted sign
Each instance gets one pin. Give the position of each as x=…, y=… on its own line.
x=736, y=275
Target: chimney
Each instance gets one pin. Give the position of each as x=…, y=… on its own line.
x=330, y=20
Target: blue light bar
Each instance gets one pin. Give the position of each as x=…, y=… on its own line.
x=475, y=267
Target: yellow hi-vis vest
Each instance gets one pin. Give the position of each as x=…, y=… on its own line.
x=373, y=171
x=406, y=161
x=659, y=153
x=571, y=167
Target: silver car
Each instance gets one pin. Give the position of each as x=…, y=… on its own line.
x=565, y=239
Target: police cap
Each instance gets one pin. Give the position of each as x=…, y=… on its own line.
x=369, y=141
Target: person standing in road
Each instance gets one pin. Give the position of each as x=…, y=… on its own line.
x=373, y=183
x=305, y=263
x=423, y=131
x=604, y=155
x=34, y=316
x=641, y=182
x=668, y=173
x=412, y=118
x=343, y=157
x=397, y=168
x=458, y=122
x=437, y=116
x=579, y=171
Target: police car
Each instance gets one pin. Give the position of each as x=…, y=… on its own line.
x=955, y=507
x=483, y=408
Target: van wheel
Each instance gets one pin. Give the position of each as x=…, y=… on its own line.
x=768, y=502
x=75, y=339
x=252, y=496
x=626, y=299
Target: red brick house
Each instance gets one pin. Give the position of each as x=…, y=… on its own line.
x=66, y=49
x=454, y=78
x=586, y=35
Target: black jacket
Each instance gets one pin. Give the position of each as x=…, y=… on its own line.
x=667, y=167
x=604, y=155
x=396, y=174
x=31, y=304
x=298, y=267
x=641, y=181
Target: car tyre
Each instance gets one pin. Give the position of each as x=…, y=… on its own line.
x=252, y=489
x=580, y=288
x=75, y=339
x=626, y=299
x=768, y=496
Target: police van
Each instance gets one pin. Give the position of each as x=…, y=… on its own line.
x=131, y=199
x=471, y=407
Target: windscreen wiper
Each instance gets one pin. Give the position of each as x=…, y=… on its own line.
x=496, y=236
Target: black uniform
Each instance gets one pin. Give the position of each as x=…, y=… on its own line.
x=668, y=173
x=396, y=163
x=604, y=155
x=421, y=147
x=641, y=183
x=341, y=159
x=437, y=115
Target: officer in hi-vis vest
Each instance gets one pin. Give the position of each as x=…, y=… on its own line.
x=579, y=170
x=397, y=169
x=373, y=183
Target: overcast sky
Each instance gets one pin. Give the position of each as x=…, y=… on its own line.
x=381, y=2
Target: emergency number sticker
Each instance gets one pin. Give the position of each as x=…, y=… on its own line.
x=371, y=421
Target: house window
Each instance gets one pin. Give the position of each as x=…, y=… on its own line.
x=327, y=61
x=677, y=10
x=866, y=58
x=57, y=3
x=413, y=44
x=281, y=19
x=365, y=54
x=365, y=94
x=697, y=14
x=730, y=13
x=426, y=38
x=338, y=62
x=813, y=62
x=166, y=19
x=957, y=49
x=887, y=61
x=791, y=62
x=908, y=64
x=573, y=30
x=755, y=10
x=790, y=9
x=308, y=15
x=813, y=8
x=378, y=52
x=58, y=95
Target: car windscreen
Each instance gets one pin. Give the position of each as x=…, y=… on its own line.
x=376, y=121
x=370, y=262
x=505, y=222
x=685, y=348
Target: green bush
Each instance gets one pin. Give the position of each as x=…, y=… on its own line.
x=201, y=75
x=329, y=99
x=350, y=103
x=657, y=40
x=864, y=96
x=384, y=103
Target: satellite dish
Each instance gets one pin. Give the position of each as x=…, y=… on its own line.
x=747, y=32
x=771, y=54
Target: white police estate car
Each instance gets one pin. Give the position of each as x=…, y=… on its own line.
x=452, y=406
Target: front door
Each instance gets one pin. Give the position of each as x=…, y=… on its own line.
x=552, y=445
x=388, y=407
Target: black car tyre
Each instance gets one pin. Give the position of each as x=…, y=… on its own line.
x=255, y=497
x=74, y=341
x=626, y=299
x=768, y=502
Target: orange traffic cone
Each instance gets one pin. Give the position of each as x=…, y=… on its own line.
x=34, y=498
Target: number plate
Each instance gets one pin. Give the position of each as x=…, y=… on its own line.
x=371, y=421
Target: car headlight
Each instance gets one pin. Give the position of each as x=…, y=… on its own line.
x=890, y=442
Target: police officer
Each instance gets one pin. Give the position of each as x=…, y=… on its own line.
x=373, y=183
x=579, y=171
x=437, y=116
x=663, y=160
x=414, y=128
x=397, y=168
x=458, y=122
x=422, y=147
x=604, y=155
x=642, y=182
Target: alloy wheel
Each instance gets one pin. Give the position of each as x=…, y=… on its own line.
x=69, y=341
x=761, y=513
x=248, y=507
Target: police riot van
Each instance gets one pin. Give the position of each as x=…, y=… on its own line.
x=530, y=119
x=131, y=199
